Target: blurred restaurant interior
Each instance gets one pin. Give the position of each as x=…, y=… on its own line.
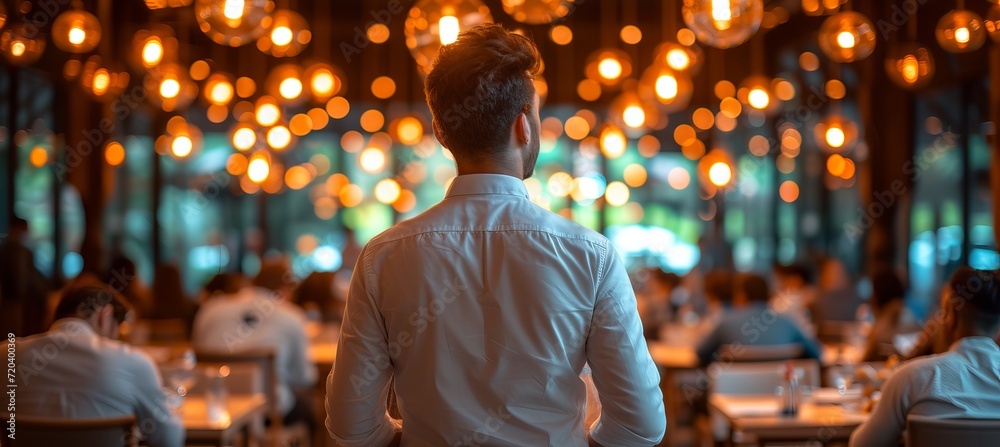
x=817, y=144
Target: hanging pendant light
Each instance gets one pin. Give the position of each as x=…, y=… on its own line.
x=910, y=65
x=960, y=31
x=537, y=12
x=288, y=36
x=609, y=66
x=76, y=30
x=233, y=22
x=433, y=23
x=992, y=22
x=20, y=45
x=847, y=37
x=102, y=82
x=669, y=89
x=723, y=23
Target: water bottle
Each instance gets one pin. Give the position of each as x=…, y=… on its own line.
x=790, y=395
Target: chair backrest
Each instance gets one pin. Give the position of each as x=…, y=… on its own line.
x=924, y=431
x=760, y=377
x=110, y=432
x=760, y=353
x=251, y=371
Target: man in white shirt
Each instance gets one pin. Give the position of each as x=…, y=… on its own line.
x=77, y=371
x=961, y=383
x=485, y=308
x=254, y=318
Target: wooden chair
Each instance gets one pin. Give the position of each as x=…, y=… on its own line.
x=255, y=371
x=110, y=432
x=924, y=431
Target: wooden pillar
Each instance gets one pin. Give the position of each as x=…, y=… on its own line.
x=887, y=125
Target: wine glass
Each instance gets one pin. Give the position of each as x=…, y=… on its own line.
x=179, y=377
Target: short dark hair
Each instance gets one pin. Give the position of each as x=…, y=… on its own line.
x=886, y=287
x=84, y=302
x=224, y=283
x=755, y=288
x=669, y=279
x=274, y=275
x=478, y=86
x=981, y=289
x=719, y=283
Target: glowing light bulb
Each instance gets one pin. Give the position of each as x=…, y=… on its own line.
x=152, y=52
x=613, y=143
x=267, y=114
x=910, y=68
x=678, y=59
x=372, y=160
x=278, y=137
x=258, y=169
x=182, y=146
x=281, y=36
x=170, y=88
x=448, y=29
x=758, y=98
x=722, y=15
x=634, y=116
x=846, y=39
x=322, y=82
x=410, y=130
x=720, y=174
x=244, y=138
x=233, y=9
x=17, y=48
x=290, y=88
x=221, y=93
x=102, y=80
x=666, y=87
x=609, y=68
x=387, y=190
x=962, y=35
x=77, y=35
x=835, y=137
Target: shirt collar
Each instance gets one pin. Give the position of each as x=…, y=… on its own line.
x=484, y=184
x=975, y=344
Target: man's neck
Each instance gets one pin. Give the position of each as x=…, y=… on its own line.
x=511, y=166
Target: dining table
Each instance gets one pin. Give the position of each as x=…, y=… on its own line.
x=759, y=418
x=240, y=414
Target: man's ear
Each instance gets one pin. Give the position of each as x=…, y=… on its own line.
x=522, y=130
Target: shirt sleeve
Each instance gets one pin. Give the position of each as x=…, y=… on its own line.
x=887, y=422
x=159, y=426
x=624, y=374
x=358, y=386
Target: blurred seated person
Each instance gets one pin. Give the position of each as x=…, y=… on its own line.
x=794, y=295
x=836, y=300
x=22, y=286
x=964, y=382
x=888, y=307
x=93, y=375
x=656, y=307
x=315, y=294
x=124, y=278
x=752, y=323
x=261, y=317
x=221, y=284
x=717, y=290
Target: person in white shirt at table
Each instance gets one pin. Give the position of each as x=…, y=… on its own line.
x=961, y=383
x=485, y=308
x=261, y=317
x=77, y=370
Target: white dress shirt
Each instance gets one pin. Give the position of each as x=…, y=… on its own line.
x=72, y=372
x=484, y=309
x=254, y=319
x=961, y=383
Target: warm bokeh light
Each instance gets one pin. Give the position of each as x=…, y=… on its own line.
x=631, y=34
x=290, y=88
x=383, y=87
x=678, y=178
x=720, y=174
x=38, y=156
x=633, y=116
x=648, y=146
x=338, y=107
x=279, y=137
x=666, y=86
x=245, y=87
x=267, y=113
x=181, y=146
x=152, y=52
x=616, y=194
x=846, y=40
x=372, y=160
x=169, y=87
x=758, y=98
x=835, y=137
x=960, y=31
x=589, y=90
x=114, y=153
x=258, y=169
x=297, y=177
x=561, y=35
x=678, y=59
x=835, y=165
x=685, y=135
x=409, y=130
x=759, y=145
x=809, y=61
x=724, y=89
x=847, y=36
x=731, y=107
x=378, y=33
x=609, y=68
x=789, y=191
x=237, y=164
x=351, y=195
x=387, y=191
x=244, y=137
x=635, y=175
x=703, y=118
x=322, y=83
x=577, y=128
x=300, y=125
x=613, y=142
